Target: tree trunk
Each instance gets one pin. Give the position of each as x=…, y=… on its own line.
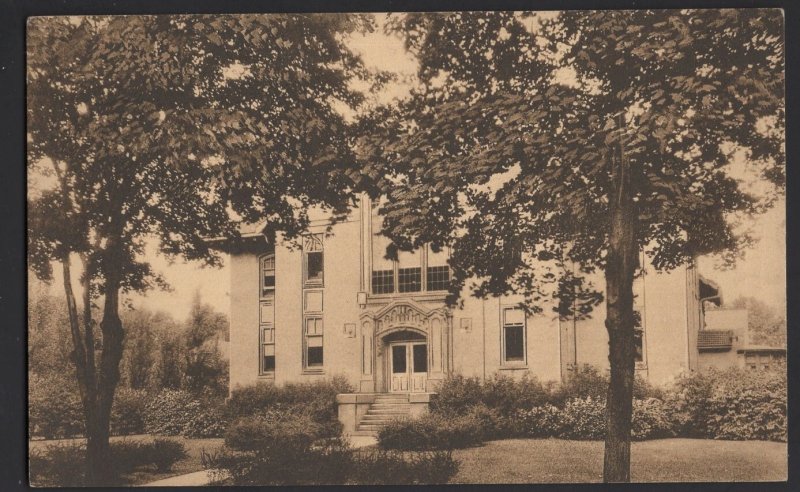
x=98, y=451
x=621, y=263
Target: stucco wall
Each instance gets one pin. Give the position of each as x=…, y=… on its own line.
x=666, y=300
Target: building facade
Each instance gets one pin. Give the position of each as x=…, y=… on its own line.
x=335, y=306
x=724, y=342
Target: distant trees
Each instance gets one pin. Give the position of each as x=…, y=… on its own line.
x=766, y=325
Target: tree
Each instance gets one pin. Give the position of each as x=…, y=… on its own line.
x=765, y=325
x=205, y=367
x=542, y=149
x=177, y=128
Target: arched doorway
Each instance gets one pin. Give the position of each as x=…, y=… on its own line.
x=407, y=361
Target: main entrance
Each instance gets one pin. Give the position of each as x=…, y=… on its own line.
x=408, y=367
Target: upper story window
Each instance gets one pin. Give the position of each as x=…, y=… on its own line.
x=414, y=271
x=313, y=260
x=513, y=335
x=267, y=265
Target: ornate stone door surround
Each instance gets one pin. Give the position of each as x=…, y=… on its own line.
x=397, y=316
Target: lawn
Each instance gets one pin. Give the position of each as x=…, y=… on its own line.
x=663, y=460
x=149, y=474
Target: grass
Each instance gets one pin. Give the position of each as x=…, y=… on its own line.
x=561, y=461
x=148, y=474
x=663, y=460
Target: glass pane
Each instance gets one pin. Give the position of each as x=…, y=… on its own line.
x=383, y=282
x=438, y=278
x=314, y=356
x=314, y=266
x=269, y=363
x=420, y=358
x=409, y=279
x=515, y=350
x=314, y=342
x=379, y=244
x=398, y=359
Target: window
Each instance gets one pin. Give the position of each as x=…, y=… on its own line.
x=513, y=335
x=638, y=337
x=313, y=260
x=267, y=275
x=313, y=340
x=420, y=357
x=382, y=281
x=414, y=271
x=266, y=315
x=438, y=278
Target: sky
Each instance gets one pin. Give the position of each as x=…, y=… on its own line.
x=761, y=273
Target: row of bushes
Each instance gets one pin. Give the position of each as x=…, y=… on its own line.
x=457, y=394
x=56, y=410
x=55, y=464
x=292, y=448
x=731, y=404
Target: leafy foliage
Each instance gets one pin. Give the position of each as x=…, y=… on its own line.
x=765, y=325
x=316, y=401
x=457, y=394
x=432, y=431
x=144, y=127
x=54, y=407
x=386, y=467
x=731, y=404
x=178, y=412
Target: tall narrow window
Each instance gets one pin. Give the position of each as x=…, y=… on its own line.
x=513, y=335
x=314, y=348
x=638, y=337
x=266, y=315
x=314, y=261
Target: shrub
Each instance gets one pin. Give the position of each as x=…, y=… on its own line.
x=543, y=421
x=176, y=412
x=127, y=412
x=316, y=400
x=584, y=419
x=58, y=465
x=508, y=395
x=62, y=465
x=585, y=381
x=281, y=450
x=730, y=404
x=165, y=452
x=650, y=420
x=457, y=393
x=432, y=431
x=382, y=467
x=55, y=410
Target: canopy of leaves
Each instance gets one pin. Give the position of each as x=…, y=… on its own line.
x=182, y=127
x=505, y=152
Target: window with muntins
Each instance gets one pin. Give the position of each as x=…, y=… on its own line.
x=266, y=315
x=421, y=270
x=314, y=358
x=313, y=271
x=513, y=335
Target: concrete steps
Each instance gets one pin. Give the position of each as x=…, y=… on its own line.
x=383, y=410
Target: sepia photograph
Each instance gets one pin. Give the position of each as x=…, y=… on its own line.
x=408, y=248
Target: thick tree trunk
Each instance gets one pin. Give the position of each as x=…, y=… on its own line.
x=98, y=452
x=621, y=264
